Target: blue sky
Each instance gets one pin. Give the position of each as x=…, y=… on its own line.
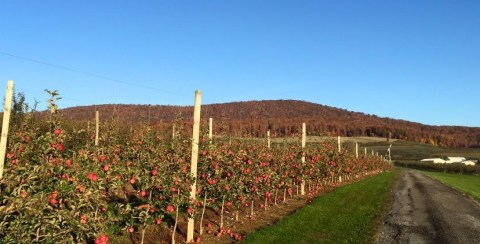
x=412, y=60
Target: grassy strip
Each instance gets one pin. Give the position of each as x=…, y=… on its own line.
x=349, y=214
x=468, y=184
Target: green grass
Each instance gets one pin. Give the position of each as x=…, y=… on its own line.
x=469, y=184
x=349, y=214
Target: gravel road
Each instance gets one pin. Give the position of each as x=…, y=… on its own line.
x=426, y=211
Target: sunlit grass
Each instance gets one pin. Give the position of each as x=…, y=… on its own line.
x=349, y=214
x=469, y=184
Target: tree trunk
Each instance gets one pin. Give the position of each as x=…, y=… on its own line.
x=221, y=213
x=203, y=213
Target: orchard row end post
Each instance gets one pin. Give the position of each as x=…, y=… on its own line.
x=6, y=121
x=193, y=169
x=304, y=141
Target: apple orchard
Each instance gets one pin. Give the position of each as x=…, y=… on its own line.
x=58, y=186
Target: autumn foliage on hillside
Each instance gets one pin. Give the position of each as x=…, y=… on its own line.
x=283, y=118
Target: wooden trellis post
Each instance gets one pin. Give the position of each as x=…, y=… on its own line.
x=268, y=138
x=304, y=142
x=97, y=126
x=210, y=129
x=339, y=144
x=390, y=153
x=6, y=121
x=356, y=149
x=193, y=169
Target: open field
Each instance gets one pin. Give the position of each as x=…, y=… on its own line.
x=468, y=184
x=349, y=214
x=362, y=139
x=414, y=151
x=401, y=150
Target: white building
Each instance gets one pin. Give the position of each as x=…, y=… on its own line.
x=433, y=160
x=455, y=160
x=470, y=162
x=450, y=160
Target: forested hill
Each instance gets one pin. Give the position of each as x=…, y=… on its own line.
x=284, y=118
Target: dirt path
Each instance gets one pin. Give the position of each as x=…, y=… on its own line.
x=426, y=211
